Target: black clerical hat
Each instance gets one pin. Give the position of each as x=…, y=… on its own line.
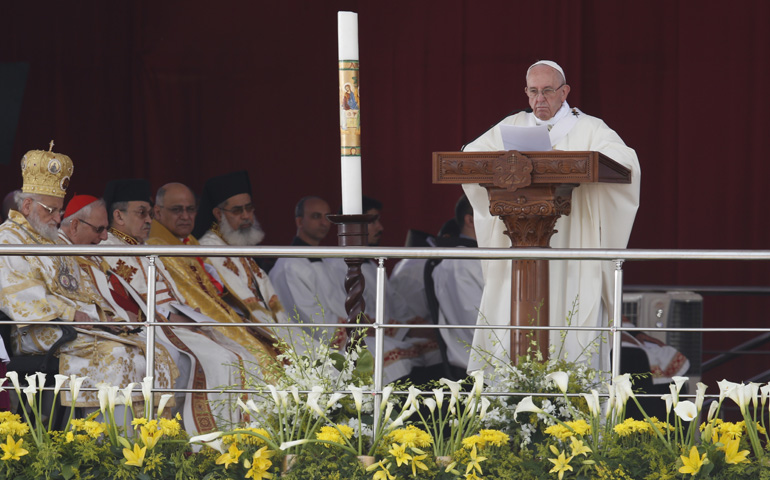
x=216, y=191
x=127, y=190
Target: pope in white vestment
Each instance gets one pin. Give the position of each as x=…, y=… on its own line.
x=602, y=216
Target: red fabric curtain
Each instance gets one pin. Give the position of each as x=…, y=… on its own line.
x=180, y=91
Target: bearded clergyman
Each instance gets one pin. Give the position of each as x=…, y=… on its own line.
x=40, y=289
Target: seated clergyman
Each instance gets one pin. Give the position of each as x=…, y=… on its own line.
x=40, y=289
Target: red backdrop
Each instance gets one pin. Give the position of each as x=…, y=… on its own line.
x=181, y=91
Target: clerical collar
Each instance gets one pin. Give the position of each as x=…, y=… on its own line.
x=563, y=112
x=125, y=237
x=298, y=242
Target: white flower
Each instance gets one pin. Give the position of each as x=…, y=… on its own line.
x=388, y=410
x=358, y=395
x=126, y=394
x=15, y=381
x=484, y=406
x=439, y=393
x=410, y=399
x=679, y=381
x=288, y=445
x=560, y=379
x=40, y=380
x=526, y=405
x=385, y=396
x=163, y=401
x=454, y=387
x=59, y=382
x=765, y=391
x=674, y=394
x=295, y=393
x=724, y=389
x=700, y=395
x=30, y=391
x=112, y=397
x=147, y=385
x=274, y=393
x=592, y=399
x=754, y=392
x=312, y=400
x=478, y=383
x=430, y=403
x=623, y=389
x=712, y=411
x=610, y=400
x=206, y=437
x=101, y=394
x=741, y=395
x=333, y=399
x=686, y=410
x=75, y=384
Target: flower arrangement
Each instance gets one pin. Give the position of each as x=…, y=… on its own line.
x=440, y=434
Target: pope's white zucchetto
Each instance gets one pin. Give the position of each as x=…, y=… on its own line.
x=551, y=64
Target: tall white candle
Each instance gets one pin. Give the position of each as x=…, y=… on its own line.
x=350, y=112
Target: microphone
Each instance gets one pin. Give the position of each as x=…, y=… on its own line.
x=526, y=110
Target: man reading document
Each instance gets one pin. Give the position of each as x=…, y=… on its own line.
x=602, y=216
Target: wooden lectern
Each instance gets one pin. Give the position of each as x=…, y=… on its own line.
x=529, y=191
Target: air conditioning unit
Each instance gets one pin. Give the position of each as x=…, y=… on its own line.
x=672, y=309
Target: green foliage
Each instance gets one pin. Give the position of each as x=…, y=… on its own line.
x=319, y=463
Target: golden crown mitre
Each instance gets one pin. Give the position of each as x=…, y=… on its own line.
x=46, y=172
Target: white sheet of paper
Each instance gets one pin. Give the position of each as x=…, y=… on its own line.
x=525, y=139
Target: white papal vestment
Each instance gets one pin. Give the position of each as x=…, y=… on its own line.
x=602, y=217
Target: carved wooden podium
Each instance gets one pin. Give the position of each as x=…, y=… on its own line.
x=529, y=191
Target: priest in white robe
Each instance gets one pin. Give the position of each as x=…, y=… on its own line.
x=217, y=361
x=312, y=291
x=602, y=216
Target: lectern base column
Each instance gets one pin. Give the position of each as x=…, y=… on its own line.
x=529, y=306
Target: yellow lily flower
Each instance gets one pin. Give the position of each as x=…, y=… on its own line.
x=416, y=463
x=560, y=463
x=732, y=455
x=578, y=448
x=399, y=452
x=475, y=462
x=13, y=450
x=230, y=457
x=692, y=463
x=135, y=457
x=149, y=437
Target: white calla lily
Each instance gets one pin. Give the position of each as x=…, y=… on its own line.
x=358, y=396
x=30, y=391
x=686, y=410
x=560, y=379
x=700, y=395
x=147, y=384
x=454, y=387
x=14, y=381
x=126, y=394
x=526, y=405
x=101, y=394
x=623, y=389
x=40, y=380
x=724, y=389
x=75, y=384
x=764, y=391
x=610, y=400
x=162, y=403
x=478, y=381
x=312, y=400
x=484, y=407
x=592, y=400
x=333, y=399
x=295, y=394
x=679, y=382
x=712, y=411
x=274, y=394
x=430, y=403
x=410, y=399
x=674, y=394
x=753, y=392
x=59, y=380
x=288, y=445
x=385, y=396
x=439, y=393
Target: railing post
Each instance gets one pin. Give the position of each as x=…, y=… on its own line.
x=150, y=326
x=617, y=318
x=379, y=340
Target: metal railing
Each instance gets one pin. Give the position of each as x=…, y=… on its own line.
x=618, y=257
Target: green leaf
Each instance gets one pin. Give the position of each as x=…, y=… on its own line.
x=67, y=471
x=124, y=442
x=338, y=359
